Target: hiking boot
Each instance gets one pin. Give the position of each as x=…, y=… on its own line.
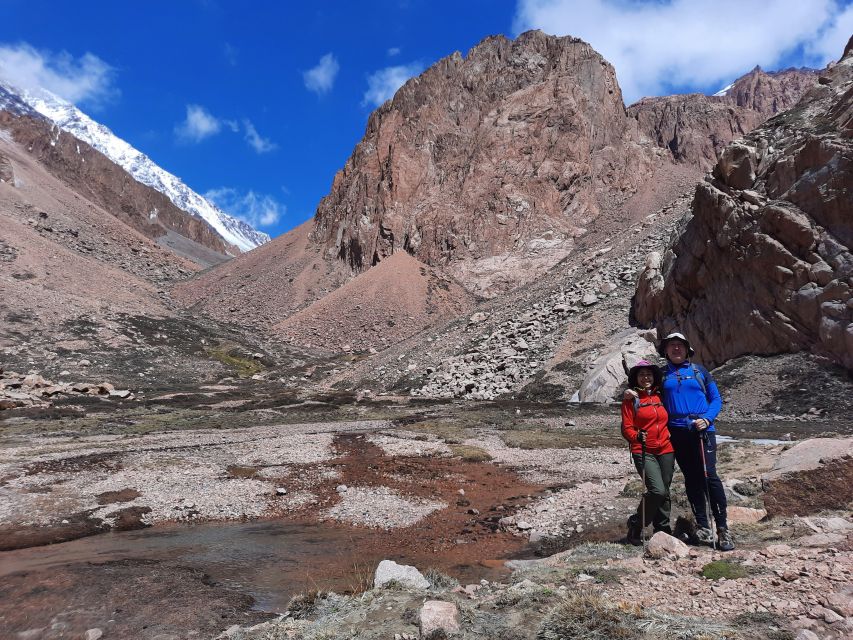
x=704, y=536
x=667, y=530
x=635, y=531
x=724, y=539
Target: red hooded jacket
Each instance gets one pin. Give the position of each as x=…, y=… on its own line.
x=650, y=417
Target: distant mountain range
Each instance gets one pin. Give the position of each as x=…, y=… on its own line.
x=69, y=118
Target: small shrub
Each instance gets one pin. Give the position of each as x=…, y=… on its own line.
x=724, y=569
x=303, y=605
x=439, y=580
x=587, y=617
x=470, y=453
x=760, y=618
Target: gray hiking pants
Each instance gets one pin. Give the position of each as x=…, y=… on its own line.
x=659, y=470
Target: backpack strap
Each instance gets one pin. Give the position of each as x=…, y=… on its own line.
x=697, y=374
x=700, y=378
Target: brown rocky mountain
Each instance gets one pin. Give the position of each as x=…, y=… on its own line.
x=511, y=150
x=696, y=127
x=96, y=178
x=764, y=263
x=489, y=166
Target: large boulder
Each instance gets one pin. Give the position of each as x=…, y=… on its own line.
x=605, y=381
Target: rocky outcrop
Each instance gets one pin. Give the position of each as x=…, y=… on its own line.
x=763, y=264
x=694, y=128
x=515, y=147
x=769, y=93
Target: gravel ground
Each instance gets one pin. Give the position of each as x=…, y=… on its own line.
x=380, y=508
x=179, y=475
x=548, y=466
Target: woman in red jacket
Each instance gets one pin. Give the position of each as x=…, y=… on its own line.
x=644, y=427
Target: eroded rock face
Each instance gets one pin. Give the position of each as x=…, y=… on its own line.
x=695, y=128
x=764, y=265
x=509, y=150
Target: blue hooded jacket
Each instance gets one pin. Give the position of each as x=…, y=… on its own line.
x=684, y=399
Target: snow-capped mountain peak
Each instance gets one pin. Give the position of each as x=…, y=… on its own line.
x=724, y=91
x=69, y=118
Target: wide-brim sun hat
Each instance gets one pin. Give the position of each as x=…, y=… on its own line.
x=675, y=336
x=634, y=371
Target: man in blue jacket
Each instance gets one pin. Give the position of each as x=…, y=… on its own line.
x=692, y=400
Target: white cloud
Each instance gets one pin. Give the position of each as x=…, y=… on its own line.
x=199, y=124
x=321, y=78
x=257, y=209
x=688, y=42
x=393, y=51
x=830, y=42
x=383, y=84
x=230, y=52
x=85, y=80
x=258, y=143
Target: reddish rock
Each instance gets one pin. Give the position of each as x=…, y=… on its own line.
x=662, y=545
x=773, y=277
x=438, y=616
x=509, y=149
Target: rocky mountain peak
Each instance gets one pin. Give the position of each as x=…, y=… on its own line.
x=509, y=150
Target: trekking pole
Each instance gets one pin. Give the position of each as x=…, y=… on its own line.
x=643, y=498
x=703, y=438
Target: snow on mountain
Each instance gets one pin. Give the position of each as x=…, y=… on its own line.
x=69, y=118
x=724, y=91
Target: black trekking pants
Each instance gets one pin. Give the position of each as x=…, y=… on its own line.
x=659, y=470
x=687, y=443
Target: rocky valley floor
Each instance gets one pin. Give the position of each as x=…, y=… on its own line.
x=213, y=506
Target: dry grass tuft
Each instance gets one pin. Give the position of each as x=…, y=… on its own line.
x=588, y=617
x=470, y=453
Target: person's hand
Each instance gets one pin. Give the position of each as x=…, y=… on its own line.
x=641, y=436
x=630, y=394
x=701, y=424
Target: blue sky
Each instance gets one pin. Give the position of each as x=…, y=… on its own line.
x=260, y=103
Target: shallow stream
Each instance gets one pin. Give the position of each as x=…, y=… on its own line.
x=271, y=560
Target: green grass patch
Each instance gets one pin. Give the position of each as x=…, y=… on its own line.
x=231, y=357
x=470, y=453
x=724, y=569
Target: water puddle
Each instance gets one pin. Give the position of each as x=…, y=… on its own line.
x=270, y=561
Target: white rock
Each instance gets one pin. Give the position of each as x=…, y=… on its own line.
x=524, y=525
x=405, y=575
x=341, y=488
x=93, y=634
